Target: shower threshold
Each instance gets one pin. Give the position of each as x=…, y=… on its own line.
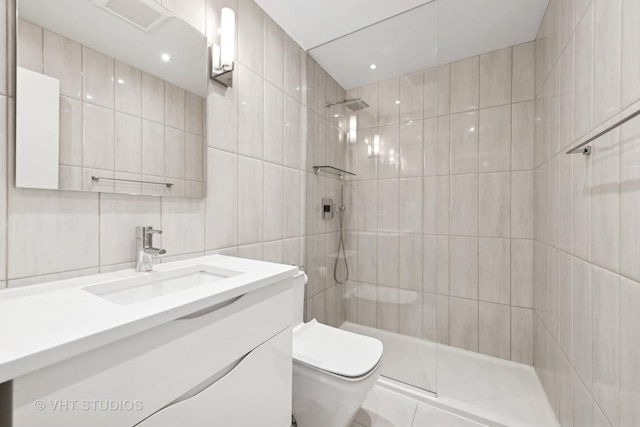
x=484, y=389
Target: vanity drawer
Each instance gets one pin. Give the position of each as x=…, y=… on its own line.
x=125, y=382
x=255, y=392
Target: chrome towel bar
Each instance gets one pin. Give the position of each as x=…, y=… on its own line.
x=98, y=178
x=578, y=149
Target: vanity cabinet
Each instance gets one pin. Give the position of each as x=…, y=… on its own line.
x=227, y=365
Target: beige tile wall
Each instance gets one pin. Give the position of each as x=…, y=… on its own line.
x=442, y=221
x=48, y=235
x=326, y=146
x=586, y=290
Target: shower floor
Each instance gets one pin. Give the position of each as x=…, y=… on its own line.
x=482, y=388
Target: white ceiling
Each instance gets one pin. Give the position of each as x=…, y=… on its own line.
x=438, y=32
x=94, y=27
x=314, y=22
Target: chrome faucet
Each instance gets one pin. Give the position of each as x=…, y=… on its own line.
x=144, y=248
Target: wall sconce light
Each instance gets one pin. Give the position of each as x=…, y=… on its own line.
x=353, y=129
x=223, y=56
x=373, y=150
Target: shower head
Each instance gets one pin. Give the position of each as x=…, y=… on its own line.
x=352, y=104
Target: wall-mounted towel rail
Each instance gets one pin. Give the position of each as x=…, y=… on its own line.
x=98, y=178
x=581, y=149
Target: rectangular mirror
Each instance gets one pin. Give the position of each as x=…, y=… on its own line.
x=132, y=82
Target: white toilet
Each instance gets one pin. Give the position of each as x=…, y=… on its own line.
x=333, y=370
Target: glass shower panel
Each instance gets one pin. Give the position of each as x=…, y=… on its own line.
x=391, y=243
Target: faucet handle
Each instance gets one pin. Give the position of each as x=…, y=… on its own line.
x=142, y=231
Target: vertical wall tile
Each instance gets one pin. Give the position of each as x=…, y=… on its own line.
x=388, y=102
x=522, y=204
x=582, y=337
x=152, y=98
x=70, y=131
x=464, y=143
x=251, y=114
x=464, y=205
x=606, y=69
x=522, y=125
x=630, y=63
x=494, y=204
x=128, y=143
x=605, y=308
x=522, y=335
x=522, y=273
x=293, y=137
x=495, y=330
x=175, y=157
x=194, y=115
x=629, y=200
x=629, y=353
x=388, y=259
x=98, y=137
x=222, y=184
x=128, y=89
x=523, y=72
x=30, y=46
x=410, y=205
x=465, y=81
x=411, y=97
x=463, y=323
x=97, y=73
x=495, y=78
x=430, y=93
x=410, y=259
x=292, y=70
x=273, y=124
x=411, y=148
x=273, y=202
x=605, y=199
x=63, y=60
x=250, y=200
x=495, y=139
x=153, y=148
x=494, y=270
x=464, y=267
x=444, y=89
x=583, y=114
x=250, y=36
x=273, y=53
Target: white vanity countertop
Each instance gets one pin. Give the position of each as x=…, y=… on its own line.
x=44, y=324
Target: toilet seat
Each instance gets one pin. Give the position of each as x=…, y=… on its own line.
x=335, y=351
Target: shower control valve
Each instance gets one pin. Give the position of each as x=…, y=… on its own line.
x=327, y=208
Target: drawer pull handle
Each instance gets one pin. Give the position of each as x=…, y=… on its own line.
x=211, y=309
x=202, y=386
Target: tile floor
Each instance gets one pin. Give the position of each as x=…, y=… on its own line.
x=386, y=408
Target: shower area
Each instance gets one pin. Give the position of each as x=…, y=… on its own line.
x=430, y=177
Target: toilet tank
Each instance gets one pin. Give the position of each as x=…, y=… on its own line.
x=299, y=282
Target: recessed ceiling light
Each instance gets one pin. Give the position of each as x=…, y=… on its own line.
x=336, y=115
x=121, y=81
x=373, y=66
x=165, y=57
x=398, y=102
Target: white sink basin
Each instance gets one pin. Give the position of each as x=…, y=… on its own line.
x=159, y=283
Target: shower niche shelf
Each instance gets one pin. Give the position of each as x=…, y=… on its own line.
x=335, y=171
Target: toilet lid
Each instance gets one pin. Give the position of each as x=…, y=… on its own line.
x=334, y=350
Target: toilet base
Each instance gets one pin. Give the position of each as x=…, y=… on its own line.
x=322, y=399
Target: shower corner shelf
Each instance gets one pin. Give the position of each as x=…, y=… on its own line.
x=341, y=173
